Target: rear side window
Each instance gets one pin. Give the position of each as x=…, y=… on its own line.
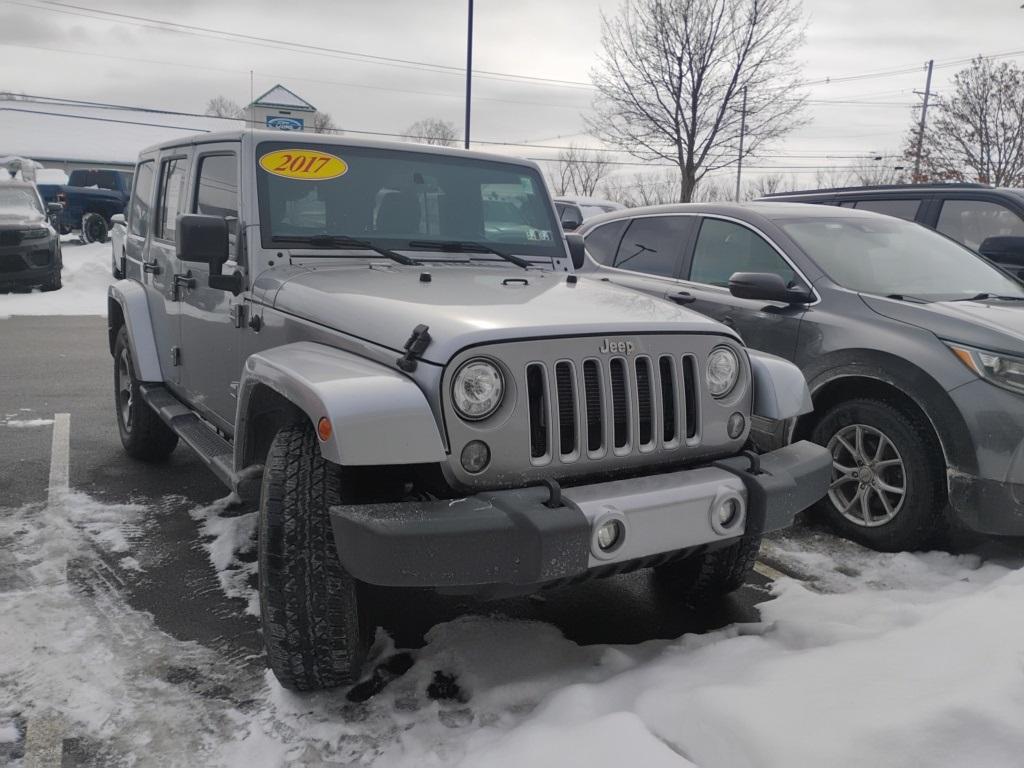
x=901, y=209
x=172, y=189
x=652, y=245
x=724, y=248
x=971, y=222
x=603, y=242
x=138, y=208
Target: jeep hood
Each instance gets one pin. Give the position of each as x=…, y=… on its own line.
x=467, y=306
x=987, y=324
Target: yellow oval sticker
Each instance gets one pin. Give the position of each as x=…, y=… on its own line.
x=308, y=164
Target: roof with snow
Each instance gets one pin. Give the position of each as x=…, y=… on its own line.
x=279, y=96
x=59, y=130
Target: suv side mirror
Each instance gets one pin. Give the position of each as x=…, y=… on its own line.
x=577, y=249
x=54, y=208
x=203, y=239
x=767, y=286
x=1003, y=250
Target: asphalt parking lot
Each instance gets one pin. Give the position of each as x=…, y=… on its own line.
x=61, y=365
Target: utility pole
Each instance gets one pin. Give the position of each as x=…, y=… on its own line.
x=743, y=131
x=469, y=69
x=920, y=129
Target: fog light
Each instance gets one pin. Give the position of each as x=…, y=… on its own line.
x=728, y=511
x=736, y=425
x=476, y=456
x=609, y=535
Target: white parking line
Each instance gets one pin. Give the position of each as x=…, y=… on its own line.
x=60, y=459
x=770, y=573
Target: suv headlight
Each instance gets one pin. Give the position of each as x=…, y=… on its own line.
x=723, y=371
x=1003, y=370
x=36, y=232
x=477, y=389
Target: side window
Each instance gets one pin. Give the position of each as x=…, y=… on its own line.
x=652, y=245
x=724, y=247
x=901, y=209
x=603, y=242
x=172, y=189
x=217, y=188
x=848, y=204
x=971, y=222
x=138, y=209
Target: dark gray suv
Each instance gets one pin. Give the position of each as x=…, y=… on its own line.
x=912, y=345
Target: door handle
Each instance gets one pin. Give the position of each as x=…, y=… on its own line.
x=151, y=266
x=682, y=297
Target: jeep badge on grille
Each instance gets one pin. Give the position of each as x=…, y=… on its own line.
x=621, y=347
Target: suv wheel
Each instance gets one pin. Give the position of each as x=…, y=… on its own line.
x=701, y=580
x=143, y=434
x=887, y=475
x=94, y=228
x=53, y=282
x=313, y=630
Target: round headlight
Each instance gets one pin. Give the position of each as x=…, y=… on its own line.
x=477, y=389
x=723, y=371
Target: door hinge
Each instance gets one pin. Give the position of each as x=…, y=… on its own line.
x=175, y=355
x=238, y=313
x=182, y=282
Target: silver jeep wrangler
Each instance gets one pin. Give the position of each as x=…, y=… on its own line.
x=388, y=345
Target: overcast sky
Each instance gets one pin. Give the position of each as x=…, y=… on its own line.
x=64, y=51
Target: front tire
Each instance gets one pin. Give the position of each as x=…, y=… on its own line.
x=143, y=434
x=888, y=476
x=94, y=228
x=313, y=630
x=53, y=282
x=701, y=580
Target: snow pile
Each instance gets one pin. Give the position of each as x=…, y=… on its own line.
x=228, y=539
x=86, y=276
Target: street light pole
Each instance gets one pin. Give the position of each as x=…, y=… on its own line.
x=469, y=70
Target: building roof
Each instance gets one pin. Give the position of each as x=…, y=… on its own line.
x=279, y=96
x=55, y=130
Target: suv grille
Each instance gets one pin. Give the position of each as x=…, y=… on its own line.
x=10, y=237
x=641, y=410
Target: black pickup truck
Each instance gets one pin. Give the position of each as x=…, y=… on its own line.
x=90, y=198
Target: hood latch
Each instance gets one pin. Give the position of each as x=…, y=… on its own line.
x=414, y=348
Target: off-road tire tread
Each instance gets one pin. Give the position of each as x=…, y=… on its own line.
x=150, y=438
x=313, y=631
x=703, y=579
x=923, y=524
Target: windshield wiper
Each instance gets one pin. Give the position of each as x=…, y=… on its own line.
x=983, y=296
x=467, y=246
x=344, y=241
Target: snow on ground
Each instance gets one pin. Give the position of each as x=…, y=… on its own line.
x=86, y=276
x=882, y=660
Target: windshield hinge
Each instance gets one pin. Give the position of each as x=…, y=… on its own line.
x=414, y=347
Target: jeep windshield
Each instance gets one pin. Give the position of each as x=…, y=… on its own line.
x=887, y=256
x=317, y=196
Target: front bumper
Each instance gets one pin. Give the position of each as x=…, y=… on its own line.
x=513, y=538
x=28, y=263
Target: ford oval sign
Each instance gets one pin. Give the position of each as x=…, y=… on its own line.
x=285, y=123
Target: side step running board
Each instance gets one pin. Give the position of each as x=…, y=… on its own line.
x=214, y=450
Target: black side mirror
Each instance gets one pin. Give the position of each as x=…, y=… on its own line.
x=1004, y=250
x=767, y=286
x=571, y=225
x=54, y=208
x=203, y=239
x=576, y=249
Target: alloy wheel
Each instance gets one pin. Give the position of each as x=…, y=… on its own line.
x=869, y=479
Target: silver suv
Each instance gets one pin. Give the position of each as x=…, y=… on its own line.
x=388, y=345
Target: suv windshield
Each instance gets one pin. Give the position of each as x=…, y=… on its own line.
x=887, y=256
x=392, y=198
x=21, y=198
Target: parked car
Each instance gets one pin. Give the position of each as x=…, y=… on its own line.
x=327, y=324
x=986, y=219
x=90, y=199
x=912, y=345
x=573, y=211
x=29, y=245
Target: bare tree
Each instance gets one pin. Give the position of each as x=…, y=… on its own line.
x=431, y=130
x=643, y=188
x=977, y=133
x=579, y=171
x=768, y=184
x=714, y=191
x=222, y=106
x=881, y=169
x=672, y=75
x=322, y=122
